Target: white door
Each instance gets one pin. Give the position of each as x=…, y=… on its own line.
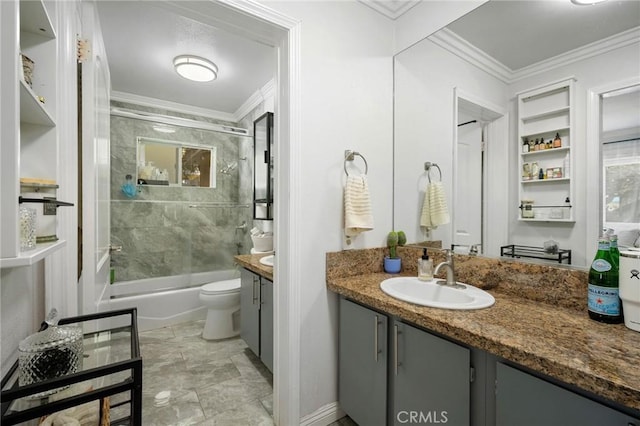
x=96, y=86
x=467, y=223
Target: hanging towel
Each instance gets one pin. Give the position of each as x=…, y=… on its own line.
x=357, y=206
x=434, y=208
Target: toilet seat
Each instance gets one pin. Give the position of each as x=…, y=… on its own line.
x=221, y=287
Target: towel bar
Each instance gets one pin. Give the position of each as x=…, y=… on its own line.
x=349, y=155
x=428, y=165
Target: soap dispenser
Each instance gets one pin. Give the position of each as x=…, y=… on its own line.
x=425, y=267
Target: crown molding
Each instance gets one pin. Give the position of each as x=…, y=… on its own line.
x=259, y=96
x=468, y=52
x=171, y=106
x=392, y=9
x=596, y=48
x=460, y=47
x=265, y=92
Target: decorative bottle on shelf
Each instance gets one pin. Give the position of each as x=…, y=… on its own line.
x=557, y=142
x=525, y=146
x=603, y=298
x=567, y=208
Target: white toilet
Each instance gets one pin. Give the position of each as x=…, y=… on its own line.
x=222, y=300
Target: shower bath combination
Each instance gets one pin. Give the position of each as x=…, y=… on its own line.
x=175, y=239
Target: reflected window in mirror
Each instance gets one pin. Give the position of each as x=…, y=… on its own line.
x=173, y=163
x=620, y=154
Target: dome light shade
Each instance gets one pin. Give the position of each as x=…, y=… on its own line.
x=195, y=68
x=586, y=2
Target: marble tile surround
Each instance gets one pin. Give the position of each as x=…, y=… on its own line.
x=159, y=233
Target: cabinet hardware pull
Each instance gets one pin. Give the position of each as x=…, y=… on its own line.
x=376, y=351
x=255, y=298
x=396, y=360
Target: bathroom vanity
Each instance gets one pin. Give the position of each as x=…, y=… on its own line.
x=521, y=361
x=256, y=306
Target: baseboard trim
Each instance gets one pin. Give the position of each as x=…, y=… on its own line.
x=323, y=416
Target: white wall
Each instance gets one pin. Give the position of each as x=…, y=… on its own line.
x=346, y=103
x=426, y=77
x=617, y=65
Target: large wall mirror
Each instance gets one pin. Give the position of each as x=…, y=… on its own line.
x=455, y=105
x=173, y=163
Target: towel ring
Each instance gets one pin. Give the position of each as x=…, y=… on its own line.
x=428, y=165
x=350, y=156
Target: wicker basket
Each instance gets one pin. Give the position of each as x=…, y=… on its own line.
x=103, y=415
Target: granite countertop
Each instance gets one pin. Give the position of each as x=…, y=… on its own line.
x=252, y=263
x=562, y=343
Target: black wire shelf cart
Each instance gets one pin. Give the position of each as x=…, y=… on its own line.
x=516, y=251
x=111, y=373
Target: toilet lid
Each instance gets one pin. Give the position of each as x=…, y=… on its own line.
x=217, y=287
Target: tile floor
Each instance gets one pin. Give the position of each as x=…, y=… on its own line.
x=211, y=382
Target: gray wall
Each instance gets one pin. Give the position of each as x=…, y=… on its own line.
x=159, y=233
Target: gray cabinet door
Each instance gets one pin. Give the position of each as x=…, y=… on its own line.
x=266, y=323
x=362, y=364
x=250, y=310
x=431, y=378
x=525, y=400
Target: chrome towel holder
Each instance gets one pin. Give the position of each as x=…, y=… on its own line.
x=428, y=165
x=349, y=155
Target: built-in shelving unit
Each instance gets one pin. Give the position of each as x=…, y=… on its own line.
x=29, y=132
x=545, y=114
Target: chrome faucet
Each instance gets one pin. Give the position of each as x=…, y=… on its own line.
x=451, y=275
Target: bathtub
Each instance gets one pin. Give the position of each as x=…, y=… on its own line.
x=165, y=301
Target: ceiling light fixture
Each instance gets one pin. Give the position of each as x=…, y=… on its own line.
x=195, y=68
x=586, y=2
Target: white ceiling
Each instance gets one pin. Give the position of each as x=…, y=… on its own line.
x=142, y=38
x=521, y=33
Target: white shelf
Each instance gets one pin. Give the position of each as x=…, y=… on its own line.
x=31, y=257
x=546, y=114
x=547, y=220
x=31, y=109
x=543, y=113
x=545, y=151
x=545, y=180
x=35, y=19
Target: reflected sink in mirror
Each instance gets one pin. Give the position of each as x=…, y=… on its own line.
x=267, y=260
x=435, y=295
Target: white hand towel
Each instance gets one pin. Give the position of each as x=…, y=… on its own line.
x=425, y=216
x=434, y=208
x=438, y=204
x=357, y=206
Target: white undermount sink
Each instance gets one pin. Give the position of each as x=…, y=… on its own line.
x=435, y=295
x=267, y=260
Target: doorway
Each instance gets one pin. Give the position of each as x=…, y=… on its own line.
x=479, y=141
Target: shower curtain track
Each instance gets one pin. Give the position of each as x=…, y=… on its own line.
x=178, y=121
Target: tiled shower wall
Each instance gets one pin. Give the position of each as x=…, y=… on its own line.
x=160, y=234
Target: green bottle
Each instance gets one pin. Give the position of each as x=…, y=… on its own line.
x=613, y=248
x=603, y=299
